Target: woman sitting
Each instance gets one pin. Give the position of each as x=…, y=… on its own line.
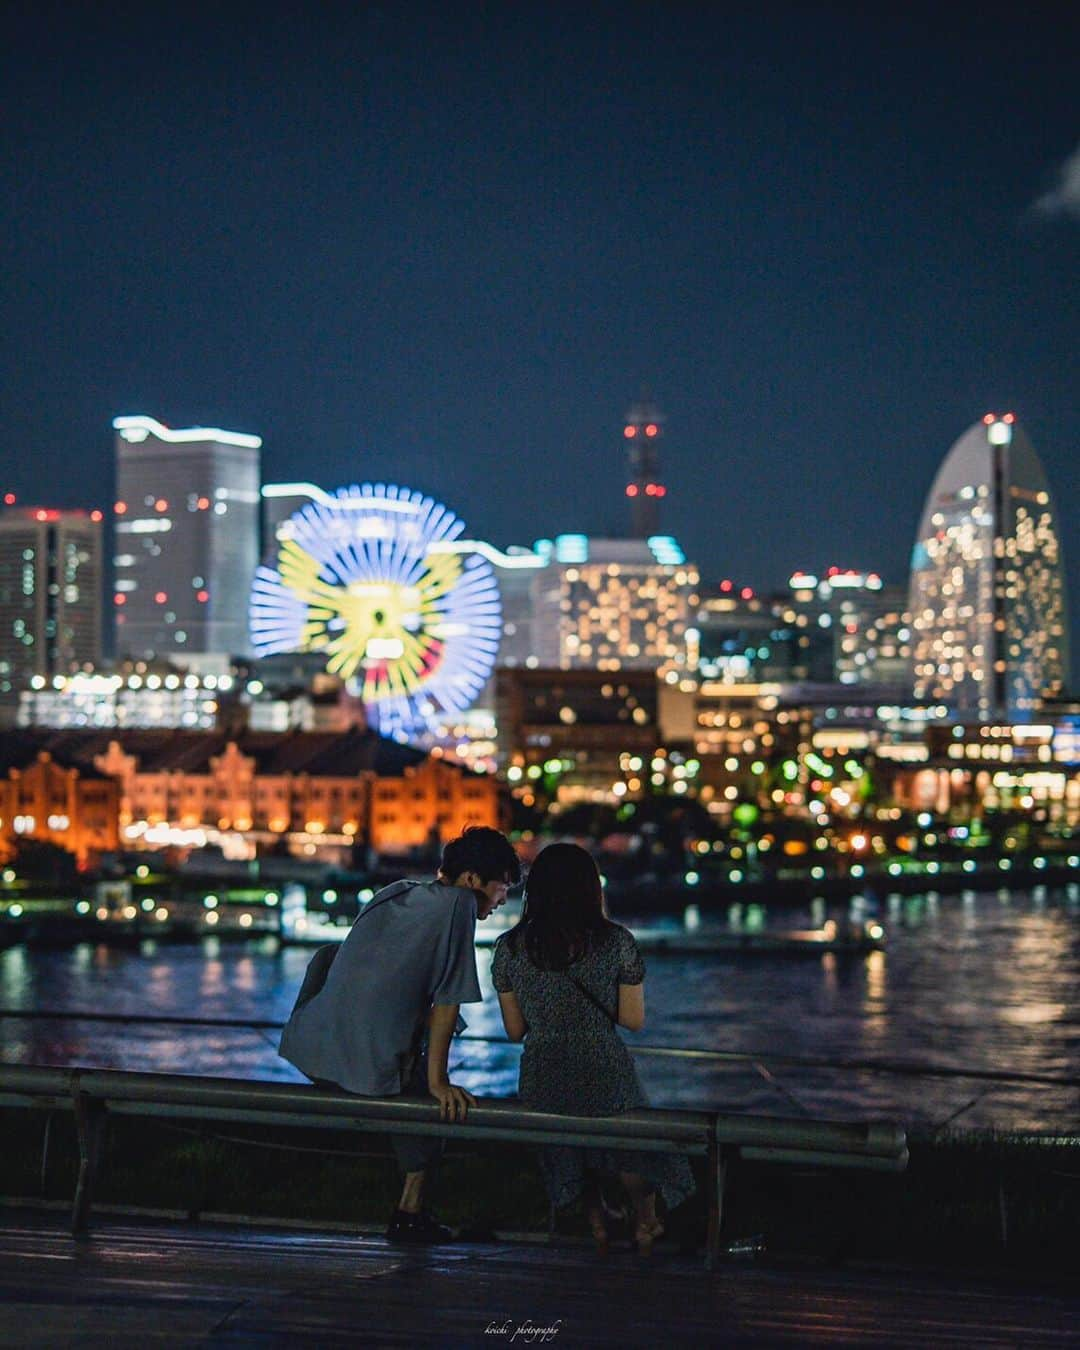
x=566, y=976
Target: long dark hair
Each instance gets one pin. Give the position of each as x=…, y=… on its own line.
x=564, y=910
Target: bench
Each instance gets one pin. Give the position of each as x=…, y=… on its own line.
x=93, y=1095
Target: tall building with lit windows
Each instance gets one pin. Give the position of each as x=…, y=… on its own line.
x=852, y=628
x=187, y=539
x=614, y=604
x=50, y=594
x=987, y=597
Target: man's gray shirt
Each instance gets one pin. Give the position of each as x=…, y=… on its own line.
x=411, y=946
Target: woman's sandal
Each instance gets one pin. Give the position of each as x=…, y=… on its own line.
x=645, y=1234
x=599, y=1231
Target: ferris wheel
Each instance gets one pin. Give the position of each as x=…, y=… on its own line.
x=375, y=577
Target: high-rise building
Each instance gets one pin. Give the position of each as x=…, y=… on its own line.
x=614, y=604
x=643, y=429
x=50, y=594
x=746, y=637
x=853, y=629
x=989, y=618
x=187, y=538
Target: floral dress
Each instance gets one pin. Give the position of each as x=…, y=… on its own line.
x=575, y=1063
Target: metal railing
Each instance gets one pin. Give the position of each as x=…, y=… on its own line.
x=95, y=1094
x=899, y=1068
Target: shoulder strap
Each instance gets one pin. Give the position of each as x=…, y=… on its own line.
x=315, y=975
x=594, y=1001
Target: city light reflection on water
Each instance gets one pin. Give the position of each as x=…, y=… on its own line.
x=965, y=982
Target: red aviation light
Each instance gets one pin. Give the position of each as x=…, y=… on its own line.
x=161, y=504
x=120, y=508
x=119, y=599
x=629, y=432
x=651, y=429
x=1009, y=418
x=661, y=491
x=9, y=499
x=725, y=585
x=95, y=516
x=631, y=489
x=202, y=596
x=988, y=419
x=203, y=503
x=160, y=598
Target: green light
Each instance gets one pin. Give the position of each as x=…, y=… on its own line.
x=758, y=766
x=746, y=813
x=819, y=765
x=790, y=770
x=553, y=766
x=534, y=771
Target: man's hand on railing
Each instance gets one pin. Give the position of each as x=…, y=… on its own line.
x=454, y=1101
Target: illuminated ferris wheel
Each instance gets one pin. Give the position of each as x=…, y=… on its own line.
x=379, y=579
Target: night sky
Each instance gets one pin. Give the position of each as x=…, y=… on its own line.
x=447, y=246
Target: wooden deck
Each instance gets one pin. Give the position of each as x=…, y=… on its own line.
x=152, y=1283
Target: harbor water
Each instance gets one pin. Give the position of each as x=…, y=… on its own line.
x=978, y=984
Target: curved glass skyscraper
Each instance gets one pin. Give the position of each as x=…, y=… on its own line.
x=989, y=617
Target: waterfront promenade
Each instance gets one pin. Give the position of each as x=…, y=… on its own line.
x=155, y=1282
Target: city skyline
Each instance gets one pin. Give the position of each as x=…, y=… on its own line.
x=449, y=250
x=778, y=573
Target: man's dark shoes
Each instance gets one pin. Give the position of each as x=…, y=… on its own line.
x=419, y=1228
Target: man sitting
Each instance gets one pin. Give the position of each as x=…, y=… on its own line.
x=381, y=1024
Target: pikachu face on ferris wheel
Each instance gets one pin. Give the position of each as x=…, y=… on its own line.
x=379, y=579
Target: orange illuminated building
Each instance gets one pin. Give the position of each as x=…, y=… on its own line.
x=313, y=794
x=74, y=807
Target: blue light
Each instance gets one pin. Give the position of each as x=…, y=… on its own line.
x=666, y=550
x=571, y=548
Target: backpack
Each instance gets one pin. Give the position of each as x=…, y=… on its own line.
x=315, y=976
